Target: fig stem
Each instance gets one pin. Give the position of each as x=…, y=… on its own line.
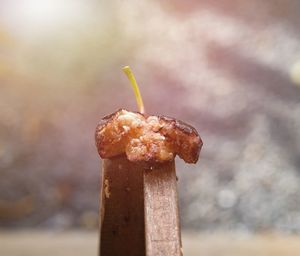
x=127, y=70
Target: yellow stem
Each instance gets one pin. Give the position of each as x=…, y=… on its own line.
x=135, y=88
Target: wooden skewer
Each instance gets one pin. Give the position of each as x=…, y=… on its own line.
x=162, y=226
x=122, y=208
x=139, y=210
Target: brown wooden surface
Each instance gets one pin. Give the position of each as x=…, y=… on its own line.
x=122, y=208
x=161, y=211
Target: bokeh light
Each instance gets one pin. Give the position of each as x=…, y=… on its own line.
x=229, y=68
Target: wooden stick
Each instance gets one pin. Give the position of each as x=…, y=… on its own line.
x=162, y=226
x=139, y=209
x=122, y=208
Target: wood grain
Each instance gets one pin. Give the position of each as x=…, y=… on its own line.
x=162, y=227
x=122, y=208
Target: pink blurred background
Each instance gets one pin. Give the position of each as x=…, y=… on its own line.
x=230, y=68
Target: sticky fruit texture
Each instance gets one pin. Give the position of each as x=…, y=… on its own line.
x=146, y=138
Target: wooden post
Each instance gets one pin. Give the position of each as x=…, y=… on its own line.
x=139, y=209
x=122, y=208
x=162, y=226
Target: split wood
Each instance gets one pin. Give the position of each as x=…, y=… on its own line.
x=139, y=209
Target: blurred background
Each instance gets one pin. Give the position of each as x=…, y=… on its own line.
x=230, y=68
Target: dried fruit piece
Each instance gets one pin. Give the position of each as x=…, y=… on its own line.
x=147, y=138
